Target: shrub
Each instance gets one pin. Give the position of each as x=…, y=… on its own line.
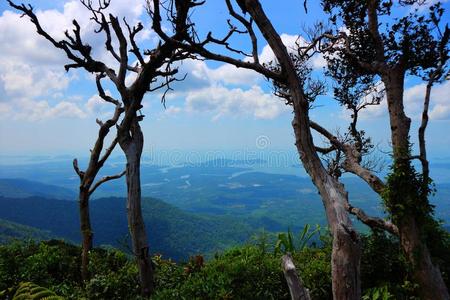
x=31, y=291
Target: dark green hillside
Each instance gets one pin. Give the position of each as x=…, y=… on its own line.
x=172, y=232
x=22, y=188
x=10, y=231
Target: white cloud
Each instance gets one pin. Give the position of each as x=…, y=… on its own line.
x=413, y=102
x=41, y=110
x=440, y=112
x=173, y=110
x=21, y=79
x=31, y=69
x=223, y=101
x=371, y=111
x=440, y=102
x=291, y=42
x=230, y=74
x=95, y=104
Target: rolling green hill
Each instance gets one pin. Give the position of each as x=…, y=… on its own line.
x=22, y=188
x=10, y=231
x=172, y=232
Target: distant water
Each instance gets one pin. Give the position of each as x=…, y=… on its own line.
x=285, y=162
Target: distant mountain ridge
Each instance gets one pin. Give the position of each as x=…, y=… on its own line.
x=22, y=188
x=172, y=232
x=10, y=231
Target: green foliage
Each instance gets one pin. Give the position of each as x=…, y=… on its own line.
x=46, y=263
x=378, y=293
x=10, y=231
x=114, y=285
x=286, y=241
x=412, y=38
x=250, y=271
x=239, y=273
x=31, y=291
x=384, y=267
x=56, y=265
x=406, y=193
x=175, y=233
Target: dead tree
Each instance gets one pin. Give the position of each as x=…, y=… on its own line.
x=346, y=243
x=413, y=45
x=296, y=287
x=152, y=64
x=87, y=177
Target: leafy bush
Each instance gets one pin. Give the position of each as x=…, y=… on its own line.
x=31, y=291
x=56, y=265
x=46, y=263
x=239, y=273
x=250, y=271
x=381, y=293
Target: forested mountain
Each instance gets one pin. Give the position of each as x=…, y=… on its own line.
x=172, y=232
x=21, y=188
x=10, y=231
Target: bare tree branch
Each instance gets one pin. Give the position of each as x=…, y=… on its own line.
x=194, y=47
x=132, y=33
x=352, y=161
x=101, y=91
x=373, y=222
x=74, y=43
x=105, y=179
x=123, y=49
x=77, y=169
x=435, y=76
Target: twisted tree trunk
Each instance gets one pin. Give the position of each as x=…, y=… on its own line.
x=132, y=145
x=425, y=272
x=346, y=245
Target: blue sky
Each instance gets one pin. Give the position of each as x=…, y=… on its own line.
x=44, y=110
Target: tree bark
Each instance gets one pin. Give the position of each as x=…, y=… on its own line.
x=346, y=245
x=346, y=253
x=427, y=275
x=296, y=288
x=132, y=146
x=86, y=231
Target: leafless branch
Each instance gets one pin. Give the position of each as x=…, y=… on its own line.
x=108, y=152
x=77, y=169
x=352, y=162
x=197, y=47
x=436, y=75
x=373, y=222
x=105, y=179
x=101, y=91
x=132, y=33
x=73, y=47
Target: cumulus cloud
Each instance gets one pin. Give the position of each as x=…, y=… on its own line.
x=223, y=101
x=413, y=101
x=230, y=74
x=33, y=83
x=26, y=80
x=439, y=100
x=32, y=76
x=41, y=110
